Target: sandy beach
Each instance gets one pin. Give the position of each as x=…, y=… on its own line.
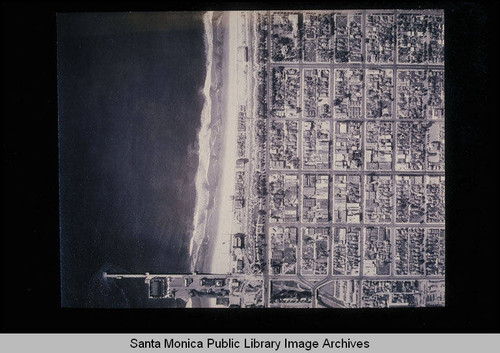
x=212, y=254
x=221, y=259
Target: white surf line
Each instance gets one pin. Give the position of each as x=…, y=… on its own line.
x=201, y=180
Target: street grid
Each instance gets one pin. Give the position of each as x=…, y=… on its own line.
x=316, y=281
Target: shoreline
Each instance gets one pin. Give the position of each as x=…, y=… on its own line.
x=213, y=253
x=205, y=137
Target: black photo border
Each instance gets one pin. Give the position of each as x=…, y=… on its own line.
x=30, y=294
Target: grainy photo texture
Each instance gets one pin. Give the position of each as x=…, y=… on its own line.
x=290, y=159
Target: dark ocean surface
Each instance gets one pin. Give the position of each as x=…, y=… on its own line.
x=129, y=90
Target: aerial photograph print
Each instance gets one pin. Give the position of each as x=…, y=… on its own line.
x=252, y=159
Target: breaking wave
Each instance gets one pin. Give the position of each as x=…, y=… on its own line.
x=201, y=180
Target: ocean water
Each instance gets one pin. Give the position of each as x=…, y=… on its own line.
x=130, y=91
